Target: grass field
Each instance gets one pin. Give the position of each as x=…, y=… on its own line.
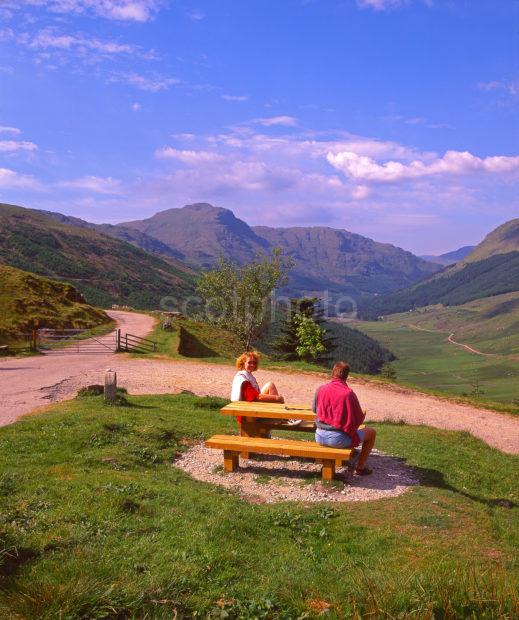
x=490, y=325
x=427, y=360
x=96, y=522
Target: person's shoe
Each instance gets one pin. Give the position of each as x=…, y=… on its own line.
x=365, y=471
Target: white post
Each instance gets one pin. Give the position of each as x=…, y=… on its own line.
x=110, y=384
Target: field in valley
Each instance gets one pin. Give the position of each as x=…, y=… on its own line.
x=427, y=360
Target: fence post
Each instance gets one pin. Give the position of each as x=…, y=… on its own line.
x=33, y=340
x=110, y=385
x=126, y=342
x=118, y=340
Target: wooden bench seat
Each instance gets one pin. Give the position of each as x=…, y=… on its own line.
x=232, y=446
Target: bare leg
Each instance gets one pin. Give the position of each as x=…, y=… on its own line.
x=269, y=388
x=367, y=445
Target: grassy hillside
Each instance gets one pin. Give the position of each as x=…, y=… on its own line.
x=502, y=240
x=97, y=522
x=195, y=339
x=494, y=275
x=28, y=301
x=105, y=270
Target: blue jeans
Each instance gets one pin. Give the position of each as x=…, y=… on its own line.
x=336, y=439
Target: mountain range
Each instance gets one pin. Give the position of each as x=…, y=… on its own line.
x=139, y=262
x=195, y=236
x=449, y=258
x=325, y=258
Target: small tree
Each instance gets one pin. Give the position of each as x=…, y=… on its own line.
x=286, y=343
x=237, y=298
x=388, y=371
x=310, y=338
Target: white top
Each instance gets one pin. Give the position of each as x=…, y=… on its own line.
x=239, y=378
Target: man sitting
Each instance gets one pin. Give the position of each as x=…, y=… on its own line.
x=339, y=416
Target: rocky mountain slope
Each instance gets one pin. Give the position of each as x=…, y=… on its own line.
x=449, y=258
x=325, y=258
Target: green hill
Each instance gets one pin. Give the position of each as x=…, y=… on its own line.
x=502, y=240
x=104, y=269
x=492, y=268
x=495, y=275
x=28, y=301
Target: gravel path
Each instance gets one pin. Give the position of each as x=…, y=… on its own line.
x=394, y=403
x=266, y=479
x=26, y=384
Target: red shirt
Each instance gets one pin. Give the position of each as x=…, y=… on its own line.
x=338, y=406
x=248, y=393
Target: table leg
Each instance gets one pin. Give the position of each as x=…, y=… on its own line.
x=230, y=460
x=248, y=428
x=328, y=471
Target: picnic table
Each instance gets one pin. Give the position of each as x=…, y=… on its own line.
x=257, y=419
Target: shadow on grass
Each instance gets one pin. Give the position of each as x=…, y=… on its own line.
x=434, y=478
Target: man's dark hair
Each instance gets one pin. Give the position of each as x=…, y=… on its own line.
x=340, y=370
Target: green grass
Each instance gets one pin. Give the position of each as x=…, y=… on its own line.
x=490, y=325
x=96, y=522
x=28, y=301
x=427, y=361
x=222, y=346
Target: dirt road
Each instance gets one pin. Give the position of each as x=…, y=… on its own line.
x=31, y=382
x=26, y=384
x=142, y=376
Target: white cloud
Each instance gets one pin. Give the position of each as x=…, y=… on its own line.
x=381, y=5
x=286, y=121
x=152, y=84
x=11, y=179
x=196, y=15
x=12, y=130
x=187, y=157
x=235, y=97
x=136, y=107
x=386, y=5
x=361, y=167
x=360, y=192
x=512, y=87
x=50, y=40
x=13, y=145
x=98, y=185
x=122, y=10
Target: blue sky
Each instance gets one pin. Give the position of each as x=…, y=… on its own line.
x=395, y=119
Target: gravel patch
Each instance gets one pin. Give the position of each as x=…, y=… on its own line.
x=268, y=479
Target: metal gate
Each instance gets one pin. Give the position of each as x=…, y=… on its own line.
x=74, y=341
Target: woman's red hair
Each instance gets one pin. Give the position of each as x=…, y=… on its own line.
x=240, y=361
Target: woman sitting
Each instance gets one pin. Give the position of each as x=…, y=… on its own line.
x=245, y=386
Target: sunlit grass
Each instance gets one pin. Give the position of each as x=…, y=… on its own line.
x=97, y=522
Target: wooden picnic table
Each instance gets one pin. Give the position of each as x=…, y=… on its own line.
x=258, y=419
